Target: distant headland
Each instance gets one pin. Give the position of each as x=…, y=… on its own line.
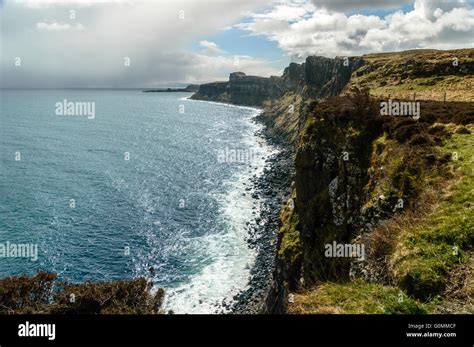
x=191, y=88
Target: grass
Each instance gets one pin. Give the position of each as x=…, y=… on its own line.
x=290, y=248
x=459, y=294
x=457, y=88
x=428, y=73
x=356, y=297
x=427, y=252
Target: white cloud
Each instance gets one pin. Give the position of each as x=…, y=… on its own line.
x=201, y=68
x=67, y=3
x=58, y=27
x=210, y=47
x=153, y=34
x=345, y=5
x=157, y=41
x=329, y=32
x=288, y=11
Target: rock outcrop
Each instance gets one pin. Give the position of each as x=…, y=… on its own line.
x=331, y=171
x=327, y=77
x=242, y=90
x=318, y=77
x=294, y=77
x=189, y=88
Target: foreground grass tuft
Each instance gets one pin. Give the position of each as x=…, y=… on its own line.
x=356, y=297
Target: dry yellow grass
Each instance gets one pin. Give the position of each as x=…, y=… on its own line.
x=419, y=74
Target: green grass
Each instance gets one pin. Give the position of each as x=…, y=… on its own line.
x=429, y=250
x=395, y=74
x=356, y=297
x=290, y=248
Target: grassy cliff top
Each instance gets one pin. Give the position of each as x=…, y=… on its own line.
x=425, y=74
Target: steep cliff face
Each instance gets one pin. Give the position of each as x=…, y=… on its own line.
x=294, y=77
x=252, y=90
x=401, y=196
x=242, y=90
x=215, y=91
x=327, y=77
x=331, y=172
x=318, y=77
x=284, y=118
x=362, y=179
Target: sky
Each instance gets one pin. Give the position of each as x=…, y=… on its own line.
x=158, y=43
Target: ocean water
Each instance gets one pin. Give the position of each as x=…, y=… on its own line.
x=144, y=183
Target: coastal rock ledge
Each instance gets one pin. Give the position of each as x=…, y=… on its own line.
x=318, y=77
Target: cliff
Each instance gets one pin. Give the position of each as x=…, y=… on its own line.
x=242, y=90
x=327, y=77
x=395, y=192
x=378, y=185
x=386, y=184
x=189, y=88
x=381, y=188
x=317, y=77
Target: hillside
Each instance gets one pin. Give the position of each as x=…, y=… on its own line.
x=405, y=193
x=398, y=188
x=425, y=74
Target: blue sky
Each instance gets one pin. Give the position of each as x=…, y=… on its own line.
x=236, y=41
x=381, y=12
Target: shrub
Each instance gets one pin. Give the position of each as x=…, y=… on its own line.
x=421, y=140
x=43, y=294
x=463, y=130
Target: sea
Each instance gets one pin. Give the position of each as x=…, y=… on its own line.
x=119, y=184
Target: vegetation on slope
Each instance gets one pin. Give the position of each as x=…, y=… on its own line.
x=43, y=294
x=356, y=297
x=430, y=258
x=412, y=249
x=428, y=73
x=427, y=251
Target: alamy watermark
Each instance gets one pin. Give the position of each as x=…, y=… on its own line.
x=400, y=108
x=243, y=156
x=75, y=108
x=37, y=330
x=19, y=250
x=344, y=250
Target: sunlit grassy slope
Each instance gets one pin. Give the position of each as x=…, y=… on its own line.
x=424, y=74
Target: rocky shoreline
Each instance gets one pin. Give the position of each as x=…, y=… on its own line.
x=272, y=189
